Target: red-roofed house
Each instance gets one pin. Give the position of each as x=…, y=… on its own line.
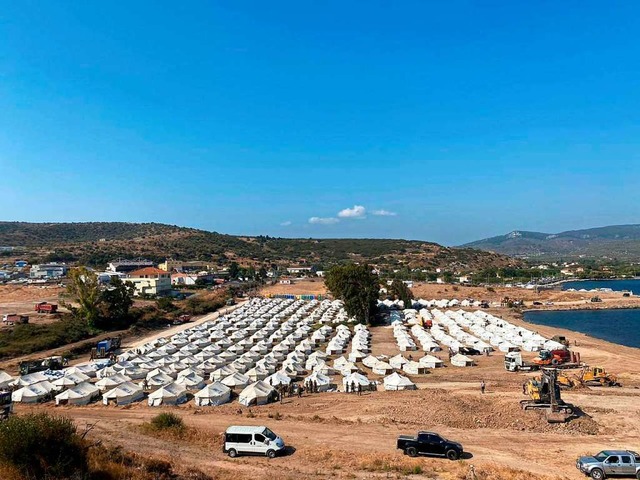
x=150, y=281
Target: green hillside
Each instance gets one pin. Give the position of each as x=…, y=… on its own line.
x=96, y=243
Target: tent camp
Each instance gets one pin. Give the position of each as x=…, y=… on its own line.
x=459, y=360
x=395, y=381
x=123, y=394
x=171, y=394
x=214, y=394
x=32, y=393
x=258, y=393
x=191, y=381
x=80, y=394
x=430, y=361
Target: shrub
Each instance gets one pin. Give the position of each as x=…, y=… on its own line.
x=42, y=446
x=167, y=421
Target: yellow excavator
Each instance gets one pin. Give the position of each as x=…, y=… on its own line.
x=544, y=394
x=589, y=377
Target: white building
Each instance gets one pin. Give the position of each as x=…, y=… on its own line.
x=150, y=281
x=48, y=270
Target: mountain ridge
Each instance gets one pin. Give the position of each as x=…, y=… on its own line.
x=96, y=243
x=620, y=242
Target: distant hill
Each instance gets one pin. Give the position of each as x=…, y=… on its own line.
x=96, y=243
x=614, y=242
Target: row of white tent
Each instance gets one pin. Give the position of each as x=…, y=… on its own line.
x=261, y=345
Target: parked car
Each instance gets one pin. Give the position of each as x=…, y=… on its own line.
x=239, y=440
x=429, y=443
x=610, y=463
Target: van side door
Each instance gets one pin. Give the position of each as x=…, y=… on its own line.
x=260, y=445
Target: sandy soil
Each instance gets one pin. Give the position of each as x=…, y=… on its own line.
x=313, y=286
x=21, y=298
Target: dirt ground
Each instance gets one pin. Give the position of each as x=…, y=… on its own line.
x=304, y=286
x=338, y=435
x=21, y=298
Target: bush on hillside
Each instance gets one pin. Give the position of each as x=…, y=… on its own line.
x=42, y=446
x=167, y=421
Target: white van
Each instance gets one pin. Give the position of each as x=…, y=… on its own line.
x=252, y=441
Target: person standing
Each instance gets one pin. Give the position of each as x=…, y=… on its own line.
x=482, y=386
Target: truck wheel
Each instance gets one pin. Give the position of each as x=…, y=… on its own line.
x=452, y=454
x=597, y=474
x=554, y=361
x=271, y=453
x=233, y=453
x=411, y=451
x=638, y=475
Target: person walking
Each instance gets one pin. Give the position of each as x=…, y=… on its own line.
x=300, y=391
x=353, y=387
x=482, y=386
x=359, y=389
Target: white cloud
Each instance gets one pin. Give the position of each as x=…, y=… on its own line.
x=358, y=211
x=323, y=220
x=384, y=213
x=286, y=223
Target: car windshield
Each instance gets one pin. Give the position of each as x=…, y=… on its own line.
x=601, y=456
x=269, y=434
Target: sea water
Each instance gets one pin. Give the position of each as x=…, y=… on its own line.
x=621, y=326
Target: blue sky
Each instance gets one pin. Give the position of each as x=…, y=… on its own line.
x=462, y=119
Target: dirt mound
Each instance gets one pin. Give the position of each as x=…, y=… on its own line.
x=440, y=407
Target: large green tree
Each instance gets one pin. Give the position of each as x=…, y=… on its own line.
x=400, y=291
x=357, y=287
x=115, y=301
x=84, y=290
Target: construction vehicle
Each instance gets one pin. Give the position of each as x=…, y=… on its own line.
x=13, y=318
x=6, y=404
x=544, y=394
x=45, y=307
x=590, y=376
x=596, y=299
x=559, y=358
x=598, y=376
x=513, y=362
x=105, y=348
x=49, y=363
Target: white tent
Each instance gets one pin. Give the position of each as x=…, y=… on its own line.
x=323, y=381
x=191, y=381
x=30, y=379
x=414, y=368
x=80, y=394
x=171, y=394
x=278, y=378
x=106, y=383
x=430, y=361
x=398, y=361
x=257, y=393
x=5, y=379
x=236, y=380
x=123, y=394
x=214, y=394
x=460, y=360
x=382, y=368
x=32, y=393
x=395, y=381
x=355, y=378
x=157, y=380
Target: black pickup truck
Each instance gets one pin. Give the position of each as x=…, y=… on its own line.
x=429, y=443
